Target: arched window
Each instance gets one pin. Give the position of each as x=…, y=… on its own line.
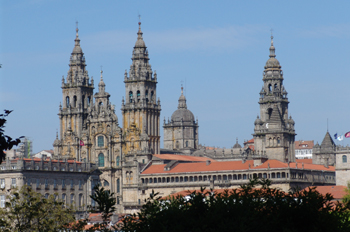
x=152, y=93
x=146, y=95
x=118, y=185
x=101, y=160
x=130, y=96
x=75, y=101
x=138, y=95
x=89, y=100
x=345, y=159
x=100, y=141
x=118, y=160
x=67, y=101
x=105, y=183
x=275, y=87
x=270, y=88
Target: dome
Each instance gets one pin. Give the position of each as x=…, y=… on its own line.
x=272, y=63
x=184, y=115
x=139, y=42
x=258, y=121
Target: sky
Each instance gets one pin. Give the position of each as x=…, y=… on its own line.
x=217, y=49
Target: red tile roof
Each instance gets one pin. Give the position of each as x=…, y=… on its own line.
x=47, y=160
x=304, y=144
x=183, y=158
x=249, y=141
x=305, y=161
x=338, y=192
x=231, y=165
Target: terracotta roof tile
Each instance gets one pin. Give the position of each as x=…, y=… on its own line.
x=183, y=158
x=338, y=192
x=299, y=145
x=231, y=165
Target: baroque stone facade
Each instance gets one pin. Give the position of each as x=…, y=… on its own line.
x=274, y=132
x=181, y=133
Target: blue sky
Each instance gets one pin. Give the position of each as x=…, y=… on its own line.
x=217, y=48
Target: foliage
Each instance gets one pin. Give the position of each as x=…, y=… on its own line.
x=6, y=142
x=28, y=210
x=346, y=198
x=245, y=209
x=105, y=201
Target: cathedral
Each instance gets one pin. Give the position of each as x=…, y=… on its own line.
x=129, y=155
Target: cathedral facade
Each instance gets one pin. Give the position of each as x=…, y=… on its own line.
x=129, y=156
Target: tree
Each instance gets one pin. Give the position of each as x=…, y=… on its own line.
x=244, y=209
x=346, y=198
x=27, y=210
x=6, y=142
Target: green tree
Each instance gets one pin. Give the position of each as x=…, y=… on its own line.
x=6, y=142
x=346, y=198
x=244, y=209
x=28, y=210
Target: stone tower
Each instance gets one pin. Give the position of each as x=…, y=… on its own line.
x=181, y=133
x=325, y=153
x=77, y=93
x=274, y=132
x=141, y=109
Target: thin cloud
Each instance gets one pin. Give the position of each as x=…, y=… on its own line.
x=335, y=31
x=213, y=39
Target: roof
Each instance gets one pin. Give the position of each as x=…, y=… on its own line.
x=305, y=161
x=47, y=160
x=249, y=141
x=301, y=144
x=183, y=158
x=327, y=141
x=232, y=165
x=338, y=192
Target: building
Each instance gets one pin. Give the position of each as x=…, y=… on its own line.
x=274, y=132
x=303, y=149
x=181, y=132
x=129, y=157
x=71, y=180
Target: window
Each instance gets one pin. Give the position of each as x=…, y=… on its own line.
x=46, y=183
x=72, y=198
x=71, y=184
x=2, y=183
x=2, y=201
x=37, y=182
x=55, y=184
x=138, y=95
x=80, y=184
x=118, y=185
x=152, y=93
x=13, y=182
x=270, y=89
x=105, y=183
x=75, y=101
x=118, y=201
x=118, y=160
x=89, y=99
x=67, y=101
x=47, y=196
x=100, y=141
x=186, y=143
x=345, y=159
x=81, y=200
x=63, y=183
x=130, y=96
x=101, y=160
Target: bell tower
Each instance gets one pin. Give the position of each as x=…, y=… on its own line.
x=77, y=94
x=274, y=132
x=141, y=109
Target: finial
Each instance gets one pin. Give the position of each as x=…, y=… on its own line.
x=272, y=48
x=182, y=90
x=101, y=73
x=139, y=19
x=56, y=134
x=77, y=29
x=237, y=140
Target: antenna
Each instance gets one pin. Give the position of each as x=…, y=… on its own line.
x=327, y=124
x=139, y=18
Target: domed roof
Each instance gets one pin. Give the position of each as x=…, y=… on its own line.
x=139, y=42
x=272, y=62
x=258, y=121
x=77, y=48
x=182, y=114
